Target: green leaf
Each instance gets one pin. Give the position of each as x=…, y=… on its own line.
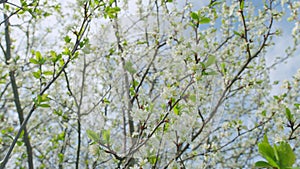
x=214, y=4
x=66, y=51
x=289, y=115
x=21, y=12
x=81, y=44
x=194, y=16
x=264, y=113
x=34, y=61
x=76, y=54
x=43, y=98
x=106, y=101
x=93, y=135
x=242, y=4
x=48, y=73
x=152, y=159
x=67, y=39
x=237, y=33
x=53, y=53
x=259, y=81
x=193, y=98
x=60, y=157
x=58, y=112
x=204, y=20
x=7, y=7
x=37, y=74
x=2, y=81
x=286, y=155
x=297, y=105
x=23, y=3
x=44, y=105
x=276, y=154
x=46, y=14
x=40, y=99
x=135, y=83
x=106, y=135
x=38, y=56
x=19, y=143
x=267, y=152
x=129, y=67
x=176, y=110
x=223, y=68
x=54, y=56
x=262, y=164
x=61, y=136
x=132, y=91
x=16, y=58
x=61, y=62
x=111, y=12
x=211, y=60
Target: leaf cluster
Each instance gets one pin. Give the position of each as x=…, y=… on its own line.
x=280, y=156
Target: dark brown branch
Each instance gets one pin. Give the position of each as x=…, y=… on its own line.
x=79, y=113
x=148, y=69
x=16, y=93
x=83, y=28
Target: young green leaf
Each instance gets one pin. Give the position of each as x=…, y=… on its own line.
x=19, y=143
x=106, y=101
x=129, y=67
x=152, y=159
x=264, y=112
x=57, y=112
x=93, y=135
x=267, y=152
x=176, y=110
x=34, y=61
x=37, y=74
x=242, y=4
x=48, y=73
x=223, y=68
x=204, y=20
x=67, y=39
x=54, y=56
x=66, y=51
x=193, y=98
x=43, y=98
x=263, y=164
x=286, y=156
x=60, y=157
x=44, y=105
x=38, y=56
x=106, y=135
x=289, y=115
x=194, y=16
x=237, y=33
x=214, y=3
x=211, y=60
